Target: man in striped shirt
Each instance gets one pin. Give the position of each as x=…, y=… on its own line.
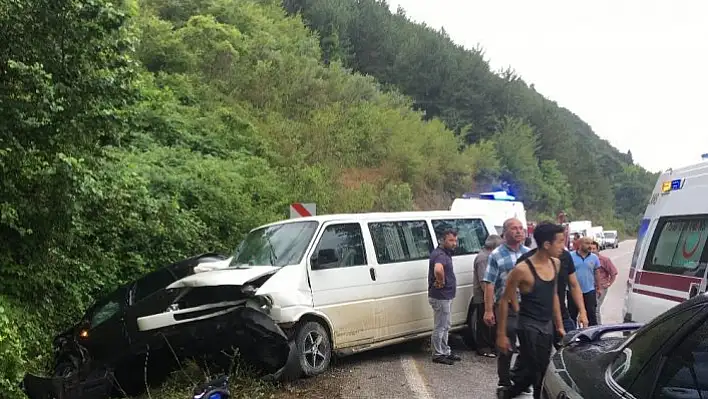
x=501, y=261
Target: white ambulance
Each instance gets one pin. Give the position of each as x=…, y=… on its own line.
x=498, y=206
x=669, y=260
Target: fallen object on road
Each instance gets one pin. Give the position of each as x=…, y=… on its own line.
x=217, y=388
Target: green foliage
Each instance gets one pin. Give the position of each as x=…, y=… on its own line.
x=136, y=135
x=457, y=85
x=12, y=349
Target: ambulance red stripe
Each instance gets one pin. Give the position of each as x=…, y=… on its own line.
x=674, y=282
x=658, y=295
x=666, y=281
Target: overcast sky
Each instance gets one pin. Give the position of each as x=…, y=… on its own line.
x=634, y=70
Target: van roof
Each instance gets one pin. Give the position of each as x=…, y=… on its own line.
x=380, y=216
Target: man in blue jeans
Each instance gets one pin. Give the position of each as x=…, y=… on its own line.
x=442, y=286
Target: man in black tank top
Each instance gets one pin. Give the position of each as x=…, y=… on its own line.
x=536, y=280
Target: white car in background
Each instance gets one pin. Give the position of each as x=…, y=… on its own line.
x=610, y=239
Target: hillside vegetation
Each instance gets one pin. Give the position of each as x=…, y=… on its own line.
x=548, y=155
x=138, y=133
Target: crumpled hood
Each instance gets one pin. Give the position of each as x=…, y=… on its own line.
x=209, y=266
x=230, y=276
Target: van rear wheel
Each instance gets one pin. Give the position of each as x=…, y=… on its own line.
x=312, y=351
x=468, y=334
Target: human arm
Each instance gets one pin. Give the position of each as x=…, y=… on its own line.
x=512, y=284
x=613, y=271
x=557, y=315
x=439, y=275
x=597, y=273
x=577, y=294
x=490, y=278
x=480, y=268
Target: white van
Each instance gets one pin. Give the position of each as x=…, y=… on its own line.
x=349, y=283
x=670, y=256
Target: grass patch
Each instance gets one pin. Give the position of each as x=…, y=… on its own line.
x=244, y=383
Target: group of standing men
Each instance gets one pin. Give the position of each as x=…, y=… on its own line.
x=523, y=293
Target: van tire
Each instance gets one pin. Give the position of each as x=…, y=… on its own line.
x=308, y=335
x=468, y=334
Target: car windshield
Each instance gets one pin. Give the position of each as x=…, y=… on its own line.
x=610, y=235
x=106, y=308
x=278, y=245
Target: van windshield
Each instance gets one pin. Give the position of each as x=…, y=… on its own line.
x=278, y=245
x=610, y=235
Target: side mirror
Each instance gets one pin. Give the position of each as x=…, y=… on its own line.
x=323, y=257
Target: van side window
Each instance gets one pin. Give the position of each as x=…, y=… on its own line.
x=471, y=234
x=341, y=245
x=679, y=246
x=401, y=241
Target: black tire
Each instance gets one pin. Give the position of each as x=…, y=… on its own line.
x=65, y=368
x=468, y=334
x=309, y=336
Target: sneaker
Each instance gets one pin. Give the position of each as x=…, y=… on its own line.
x=454, y=357
x=443, y=360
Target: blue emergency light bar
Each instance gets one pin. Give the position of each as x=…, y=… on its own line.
x=495, y=196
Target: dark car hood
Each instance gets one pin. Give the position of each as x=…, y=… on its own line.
x=586, y=363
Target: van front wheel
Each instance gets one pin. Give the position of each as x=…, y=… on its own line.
x=313, y=349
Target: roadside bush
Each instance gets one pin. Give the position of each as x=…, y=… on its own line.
x=12, y=362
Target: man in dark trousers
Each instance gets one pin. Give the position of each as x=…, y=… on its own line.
x=536, y=280
x=484, y=334
x=501, y=261
x=566, y=281
x=442, y=286
x=587, y=266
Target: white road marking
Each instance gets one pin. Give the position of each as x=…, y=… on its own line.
x=414, y=379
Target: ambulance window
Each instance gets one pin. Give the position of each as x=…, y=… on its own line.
x=679, y=246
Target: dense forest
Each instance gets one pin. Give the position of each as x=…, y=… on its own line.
x=137, y=133
x=547, y=155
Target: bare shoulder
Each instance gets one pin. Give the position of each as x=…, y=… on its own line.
x=521, y=271
x=556, y=263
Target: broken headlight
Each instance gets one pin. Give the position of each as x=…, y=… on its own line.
x=262, y=302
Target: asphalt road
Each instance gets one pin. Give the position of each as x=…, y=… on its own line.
x=405, y=371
